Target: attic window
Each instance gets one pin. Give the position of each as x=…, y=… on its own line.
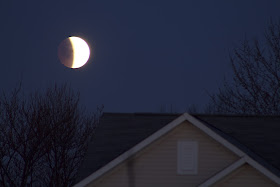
x=187, y=157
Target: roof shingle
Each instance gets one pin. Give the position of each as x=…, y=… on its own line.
x=259, y=137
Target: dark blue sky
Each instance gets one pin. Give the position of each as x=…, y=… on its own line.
x=144, y=54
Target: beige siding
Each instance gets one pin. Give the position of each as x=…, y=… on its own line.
x=156, y=165
x=245, y=176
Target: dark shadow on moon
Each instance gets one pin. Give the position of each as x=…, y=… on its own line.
x=66, y=53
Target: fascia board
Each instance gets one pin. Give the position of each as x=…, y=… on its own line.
x=131, y=151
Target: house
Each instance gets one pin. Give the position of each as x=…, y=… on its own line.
x=183, y=150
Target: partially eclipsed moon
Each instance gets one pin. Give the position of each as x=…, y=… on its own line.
x=73, y=52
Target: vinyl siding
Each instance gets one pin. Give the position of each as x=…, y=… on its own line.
x=247, y=176
x=156, y=165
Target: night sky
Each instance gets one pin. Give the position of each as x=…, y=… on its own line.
x=144, y=54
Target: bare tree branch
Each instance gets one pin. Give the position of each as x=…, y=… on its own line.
x=255, y=88
x=43, y=137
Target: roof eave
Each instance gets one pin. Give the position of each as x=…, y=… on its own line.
x=166, y=129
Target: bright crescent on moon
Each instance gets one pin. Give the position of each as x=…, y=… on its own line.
x=81, y=51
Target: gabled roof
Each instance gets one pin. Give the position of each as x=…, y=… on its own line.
x=257, y=136
x=117, y=133
x=121, y=135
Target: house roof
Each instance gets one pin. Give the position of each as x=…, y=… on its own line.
x=257, y=136
x=117, y=133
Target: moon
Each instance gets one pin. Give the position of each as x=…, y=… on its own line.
x=73, y=52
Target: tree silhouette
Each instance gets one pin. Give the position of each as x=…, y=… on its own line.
x=255, y=88
x=43, y=137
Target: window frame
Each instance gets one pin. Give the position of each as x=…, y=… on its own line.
x=182, y=167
